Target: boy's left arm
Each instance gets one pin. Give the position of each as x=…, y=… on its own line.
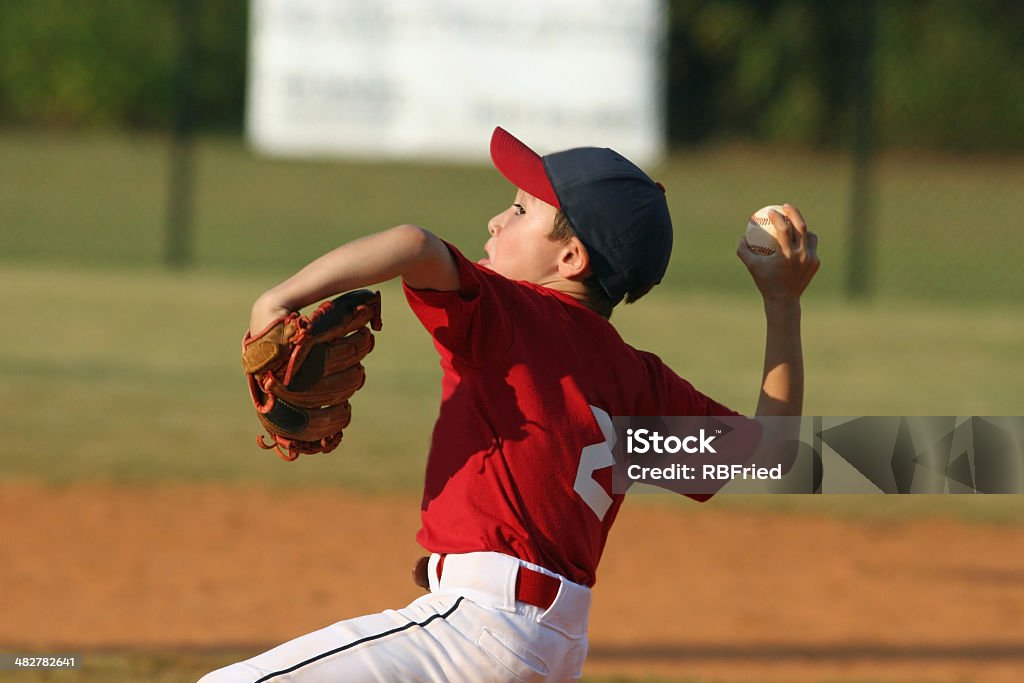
x=407, y=251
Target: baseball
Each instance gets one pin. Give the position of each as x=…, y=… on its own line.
x=761, y=237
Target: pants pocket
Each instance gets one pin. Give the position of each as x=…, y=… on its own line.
x=513, y=658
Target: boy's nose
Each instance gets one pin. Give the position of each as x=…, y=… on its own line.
x=493, y=226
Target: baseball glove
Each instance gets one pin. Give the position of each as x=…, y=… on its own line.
x=302, y=371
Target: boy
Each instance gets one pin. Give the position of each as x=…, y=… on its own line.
x=517, y=502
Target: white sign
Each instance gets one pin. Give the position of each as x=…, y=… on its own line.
x=432, y=78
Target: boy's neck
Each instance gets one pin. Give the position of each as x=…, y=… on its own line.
x=570, y=287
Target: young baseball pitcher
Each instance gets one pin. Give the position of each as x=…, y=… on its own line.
x=517, y=502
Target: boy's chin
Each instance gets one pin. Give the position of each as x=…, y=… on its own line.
x=485, y=262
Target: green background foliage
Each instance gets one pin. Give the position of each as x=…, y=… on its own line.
x=113, y=63
x=946, y=73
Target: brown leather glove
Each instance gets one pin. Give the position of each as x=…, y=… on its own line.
x=303, y=370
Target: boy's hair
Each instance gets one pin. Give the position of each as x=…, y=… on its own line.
x=615, y=209
x=596, y=298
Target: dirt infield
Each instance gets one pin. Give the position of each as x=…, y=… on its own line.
x=705, y=593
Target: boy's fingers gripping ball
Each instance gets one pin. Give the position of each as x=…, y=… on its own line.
x=761, y=235
x=302, y=370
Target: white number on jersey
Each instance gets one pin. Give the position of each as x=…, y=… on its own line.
x=592, y=458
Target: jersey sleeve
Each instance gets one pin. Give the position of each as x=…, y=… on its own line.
x=472, y=323
x=670, y=394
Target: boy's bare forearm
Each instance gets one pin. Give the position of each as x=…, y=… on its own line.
x=406, y=251
x=782, y=278
x=782, y=383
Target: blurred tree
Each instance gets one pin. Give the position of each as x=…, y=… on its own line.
x=220, y=81
x=949, y=74
x=68, y=63
x=952, y=74
x=112, y=63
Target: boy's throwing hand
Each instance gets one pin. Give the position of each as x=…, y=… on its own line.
x=785, y=274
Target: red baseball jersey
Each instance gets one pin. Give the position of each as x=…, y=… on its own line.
x=520, y=458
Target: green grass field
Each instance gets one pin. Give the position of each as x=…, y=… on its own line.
x=946, y=228
x=133, y=375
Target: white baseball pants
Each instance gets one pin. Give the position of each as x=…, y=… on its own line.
x=468, y=628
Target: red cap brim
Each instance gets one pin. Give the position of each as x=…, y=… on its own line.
x=521, y=166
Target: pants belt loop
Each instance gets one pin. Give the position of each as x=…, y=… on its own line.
x=434, y=572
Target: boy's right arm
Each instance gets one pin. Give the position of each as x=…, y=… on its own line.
x=782, y=279
x=406, y=251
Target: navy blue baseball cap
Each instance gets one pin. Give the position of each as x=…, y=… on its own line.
x=616, y=210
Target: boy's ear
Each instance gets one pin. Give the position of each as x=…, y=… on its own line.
x=573, y=261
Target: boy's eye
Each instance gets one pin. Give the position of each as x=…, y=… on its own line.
x=520, y=210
